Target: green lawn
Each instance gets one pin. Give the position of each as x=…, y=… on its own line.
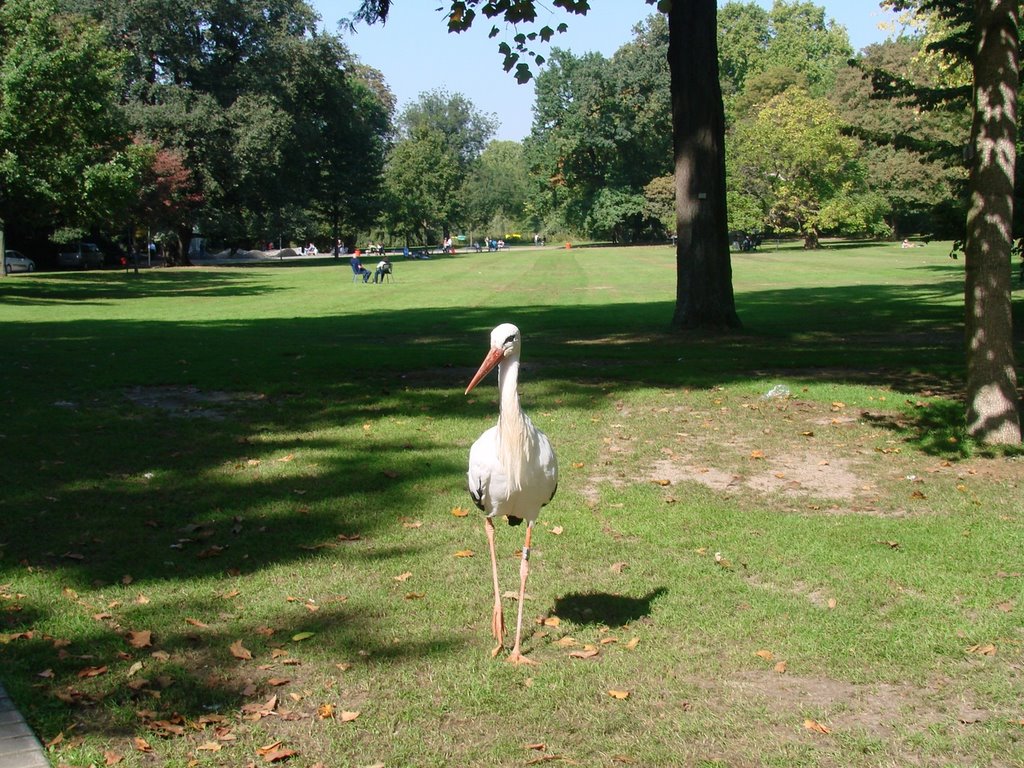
x=269, y=462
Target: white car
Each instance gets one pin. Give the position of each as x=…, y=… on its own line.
x=15, y=261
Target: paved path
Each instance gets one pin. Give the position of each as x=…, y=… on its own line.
x=19, y=747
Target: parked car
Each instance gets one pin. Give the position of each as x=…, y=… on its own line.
x=16, y=261
x=84, y=256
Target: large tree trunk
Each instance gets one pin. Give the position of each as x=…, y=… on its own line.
x=993, y=414
x=704, y=296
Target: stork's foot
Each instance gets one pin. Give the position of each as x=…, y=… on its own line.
x=517, y=658
x=497, y=649
x=498, y=625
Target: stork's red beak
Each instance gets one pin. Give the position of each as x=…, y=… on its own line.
x=494, y=357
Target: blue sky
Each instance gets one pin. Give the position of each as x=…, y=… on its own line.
x=416, y=53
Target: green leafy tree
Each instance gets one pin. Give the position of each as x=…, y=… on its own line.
x=422, y=180
x=275, y=121
x=764, y=52
x=603, y=125
x=65, y=151
x=912, y=156
x=441, y=138
x=496, y=192
x=660, y=202
x=805, y=175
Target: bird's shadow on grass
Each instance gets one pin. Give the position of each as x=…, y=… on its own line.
x=606, y=609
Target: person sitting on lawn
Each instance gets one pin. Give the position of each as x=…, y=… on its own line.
x=357, y=267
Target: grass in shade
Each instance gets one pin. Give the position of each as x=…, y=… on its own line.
x=232, y=525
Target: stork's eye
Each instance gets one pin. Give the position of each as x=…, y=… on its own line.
x=509, y=340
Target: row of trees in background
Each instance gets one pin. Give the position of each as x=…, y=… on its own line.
x=812, y=149
x=247, y=124
x=235, y=120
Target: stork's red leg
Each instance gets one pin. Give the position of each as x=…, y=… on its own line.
x=497, y=618
x=516, y=657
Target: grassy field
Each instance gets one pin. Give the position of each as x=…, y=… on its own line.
x=232, y=524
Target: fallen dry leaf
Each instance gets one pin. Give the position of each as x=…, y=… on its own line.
x=210, y=746
x=549, y=621
x=403, y=576
x=348, y=717
x=196, y=623
x=987, y=649
x=588, y=652
x=780, y=667
x=464, y=553
x=765, y=654
x=619, y=694
x=618, y=567
x=633, y=643
x=112, y=758
x=566, y=642
x=757, y=454
x=92, y=671
x=239, y=651
x=142, y=638
x=557, y=530
x=260, y=709
x=277, y=755
x=141, y=744
x=814, y=725
x=460, y=511
x=540, y=746
x=325, y=711
x=276, y=681
x=298, y=637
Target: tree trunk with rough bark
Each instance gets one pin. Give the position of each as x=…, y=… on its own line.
x=993, y=406
x=704, y=294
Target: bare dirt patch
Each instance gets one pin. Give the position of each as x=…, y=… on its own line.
x=189, y=402
x=879, y=709
x=793, y=474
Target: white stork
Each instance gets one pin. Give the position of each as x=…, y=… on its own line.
x=512, y=471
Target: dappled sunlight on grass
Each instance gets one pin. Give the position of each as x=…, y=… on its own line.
x=251, y=456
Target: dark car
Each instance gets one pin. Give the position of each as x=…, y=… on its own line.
x=81, y=256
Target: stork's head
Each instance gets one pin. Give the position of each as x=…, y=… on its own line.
x=505, y=342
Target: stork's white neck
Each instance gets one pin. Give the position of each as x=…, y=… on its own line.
x=513, y=426
x=508, y=384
